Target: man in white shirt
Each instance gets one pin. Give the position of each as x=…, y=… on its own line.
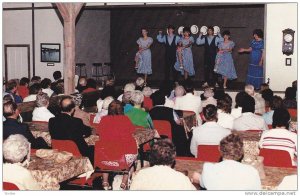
x=248, y=120
x=210, y=133
x=259, y=101
x=161, y=176
x=41, y=113
x=229, y=174
x=189, y=102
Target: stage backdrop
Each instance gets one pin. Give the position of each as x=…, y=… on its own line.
x=126, y=23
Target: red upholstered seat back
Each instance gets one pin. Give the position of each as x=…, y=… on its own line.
x=148, y=104
x=276, y=158
x=209, y=153
x=9, y=186
x=66, y=145
x=163, y=127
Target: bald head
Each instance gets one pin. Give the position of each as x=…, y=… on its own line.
x=67, y=104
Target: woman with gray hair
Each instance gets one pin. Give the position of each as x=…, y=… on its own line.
x=41, y=113
x=15, y=150
x=137, y=114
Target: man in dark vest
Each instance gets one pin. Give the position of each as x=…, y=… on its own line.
x=210, y=51
x=170, y=42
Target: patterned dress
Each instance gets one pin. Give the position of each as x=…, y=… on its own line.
x=144, y=57
x=255, y=71
x=224, y=62
x=188, y=63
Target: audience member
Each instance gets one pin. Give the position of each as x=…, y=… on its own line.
x=279, y=137
x=102, y=106
x=259, y=101
x=15, y=152
x=139, y=84
x=209, y=98
x=276, y=103
x=147, y=92
x=109, y=88
x=161, y=176
x=263, y=86
x=248, y=120
x=126, y=101
x=237, y=110
x=91, y=85
x=46, y=84
x=12, y=126
x=11, y=88
x=229, y=174
x=35, y=80
x=130, y=87
x=268, y=96
x=23, y=90
x=137, y=114
x=41, y=113
x=210, y=133
x=289, y=101
x=225, y=119
x=66, y=127
x=34, y=89
x=81, y=84
x=57, y=80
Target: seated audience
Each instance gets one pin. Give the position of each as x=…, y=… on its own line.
x=229, y=174
x=46, y=84
x=66, y=127
x=102, y=106
x=81, y=84
x=15, y=151
x=57, y=80
x=209, y=98
x=109, y=88
x=288, y=183
x=259, y=101
x=289, y=100
x=11, y=88
x=225, y=119
x=160, y=112
x=210, y=133
x=12, y=126
x=117, y=130
x=23, y=90
x=237, y=110
x=178, y=92
x=279, y=137
x=130, y=87
x=267, y=95
x=35, y=80
x=248, y=120
x=137, y=114
x=161, y=176
x=40, y=112
x=139, y=84
x=189, y=102
x=147, y=92
x=34, y=89
x=91, y=86
x=276, y=103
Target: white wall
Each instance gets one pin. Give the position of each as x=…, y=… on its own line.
x=280, y=16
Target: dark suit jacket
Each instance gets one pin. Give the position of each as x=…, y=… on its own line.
x=66, y=127
x=12, y=126
x=178, y=133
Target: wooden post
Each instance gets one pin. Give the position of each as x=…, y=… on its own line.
x=69, y=12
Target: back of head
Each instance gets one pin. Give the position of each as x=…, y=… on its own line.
x=267, y=94
x=290, y=93
x=10, y=85
x=46, y=83
x=67, y=104
x=57, y=75
x=35, y=79
x=294, y=84
x=248, y=104
x=231, y=147
x=42, y=100
x=15, y=148
x=82, y=81
x=276, y=102
x=239, y=98
x=9, y=109
x=210, y=113
x=219, y=93
x=189, y=86
x=106, y=102
x=224, y=105
x=91, y=83
x=249, y=89
x=7, y=98
x=163, y=152
x=35, y=89
x=281, y=118
x=158, y=98
x=137, y=97
x=24, y=81
x=115, y=108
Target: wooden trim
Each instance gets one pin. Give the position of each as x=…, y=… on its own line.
x=33, y=41
x=16, y=45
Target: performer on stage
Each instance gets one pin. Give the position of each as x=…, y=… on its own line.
x=170, y=41
x=143, y=56
x=210, y=51
x=224, y=62
x=184, y=55
x=255, y=68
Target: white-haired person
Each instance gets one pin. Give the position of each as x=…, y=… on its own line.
x=41, y=112
x=130, y=87
x=209, y=98
x=15, y=151
x=260, y=105
x=102, y=106
x=138, y=115
x=148, y=104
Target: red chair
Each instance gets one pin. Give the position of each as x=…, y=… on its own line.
x=276, y=158
x=148, y=104
x=293, y=112
x=163, y=127
x=209, y=153
x=66, y=145
x=7, y=186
